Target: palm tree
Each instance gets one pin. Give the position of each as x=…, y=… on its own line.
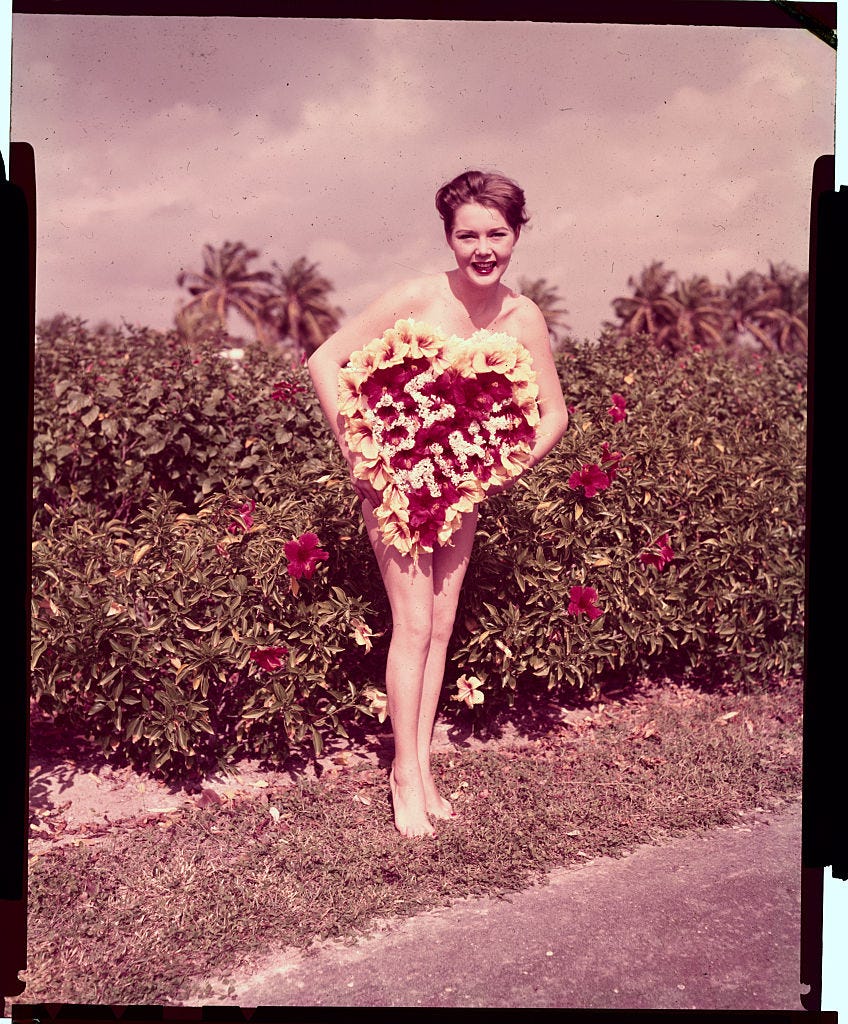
x=547, y=299
x=226, y=284
x=299, y=307
x=703, y=317
x=771, y=309
x=651, y=310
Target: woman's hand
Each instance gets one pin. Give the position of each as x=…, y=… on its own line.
x=506, y=485
x=365, y=490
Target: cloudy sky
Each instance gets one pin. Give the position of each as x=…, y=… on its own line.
x=687, y=144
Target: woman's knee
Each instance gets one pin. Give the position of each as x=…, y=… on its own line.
x=442, y=625
x=413, y=631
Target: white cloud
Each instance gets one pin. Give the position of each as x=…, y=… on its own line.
x=329, y=140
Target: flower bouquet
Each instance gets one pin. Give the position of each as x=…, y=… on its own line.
x=436, y=422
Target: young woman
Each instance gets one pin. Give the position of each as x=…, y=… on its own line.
x=483, y=215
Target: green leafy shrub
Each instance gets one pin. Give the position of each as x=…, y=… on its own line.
x=120, y=415
x=168, y=482
x=711, y=463
x=184, y=638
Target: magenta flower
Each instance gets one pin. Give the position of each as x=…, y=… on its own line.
x=583, y=600
x=659, y=558
x=303, y=555
x=426, y=514
x=610, y=461
x=285, y=390
x=449, y=386
x=244, y=518
x=269, y=658
x=591, y=478
x=618, y=411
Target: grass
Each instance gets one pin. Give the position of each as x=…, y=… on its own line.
x=140, y=914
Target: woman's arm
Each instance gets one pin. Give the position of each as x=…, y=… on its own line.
x=552, y=409
x=325, y=363
x=532, y=331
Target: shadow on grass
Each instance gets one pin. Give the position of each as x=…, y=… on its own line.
x=58, y=757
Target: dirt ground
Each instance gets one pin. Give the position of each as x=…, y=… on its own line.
x=76, y=795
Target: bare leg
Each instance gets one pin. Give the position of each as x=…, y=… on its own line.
x=449, y=566
x=410, y=592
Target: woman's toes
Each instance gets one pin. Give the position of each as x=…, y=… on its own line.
x=409, y=807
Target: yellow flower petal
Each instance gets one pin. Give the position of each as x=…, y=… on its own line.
x=379, y=702
x=523, y=368
x=392, y=349
x=372, y=470
x=462, y=359
x=488, y=359
x=365, y=360
x=395, y=501
x=396, y=534
x=468, y=690
x=361, y=439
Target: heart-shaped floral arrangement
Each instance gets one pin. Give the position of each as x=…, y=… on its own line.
x=436, y=422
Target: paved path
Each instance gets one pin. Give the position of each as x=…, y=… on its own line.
x=706, y=921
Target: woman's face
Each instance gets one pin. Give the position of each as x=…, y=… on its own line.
x=482, y=243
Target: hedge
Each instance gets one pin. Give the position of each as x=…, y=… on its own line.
x=175, y=622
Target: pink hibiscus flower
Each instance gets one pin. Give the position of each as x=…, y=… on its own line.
x=244, y=518
x=618, y=411
x=285, y=390
x=304, y=555
x=591, y=478
x=660, y=558
x=269, y=658
x=610, y=461
x=583, y=601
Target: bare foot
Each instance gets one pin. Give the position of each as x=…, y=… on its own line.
x=437, y=806
x=408, y=804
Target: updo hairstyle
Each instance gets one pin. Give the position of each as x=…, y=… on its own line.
x=492, y=190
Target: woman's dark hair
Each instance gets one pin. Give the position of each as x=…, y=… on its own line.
x=492, y=190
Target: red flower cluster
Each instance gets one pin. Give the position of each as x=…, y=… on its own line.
x=285, y=390
x=437, y=422
x=593, y=477
x=610, y=461
x=660, y=558
x=269, y=658
x=618, y=411
x=304, y=555
x=244, y=518
x=583, y=601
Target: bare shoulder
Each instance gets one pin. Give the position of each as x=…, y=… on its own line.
x=409, y=298
x=526, y=321
x=531, y=329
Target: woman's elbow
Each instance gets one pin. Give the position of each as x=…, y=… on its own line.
x=559, y=423
x=315, y=363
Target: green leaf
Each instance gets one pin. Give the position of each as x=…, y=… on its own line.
x=90, y=416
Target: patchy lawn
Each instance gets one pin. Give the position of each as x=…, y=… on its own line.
x=131, y=912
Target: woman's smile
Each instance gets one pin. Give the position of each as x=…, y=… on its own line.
x=483, y=267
